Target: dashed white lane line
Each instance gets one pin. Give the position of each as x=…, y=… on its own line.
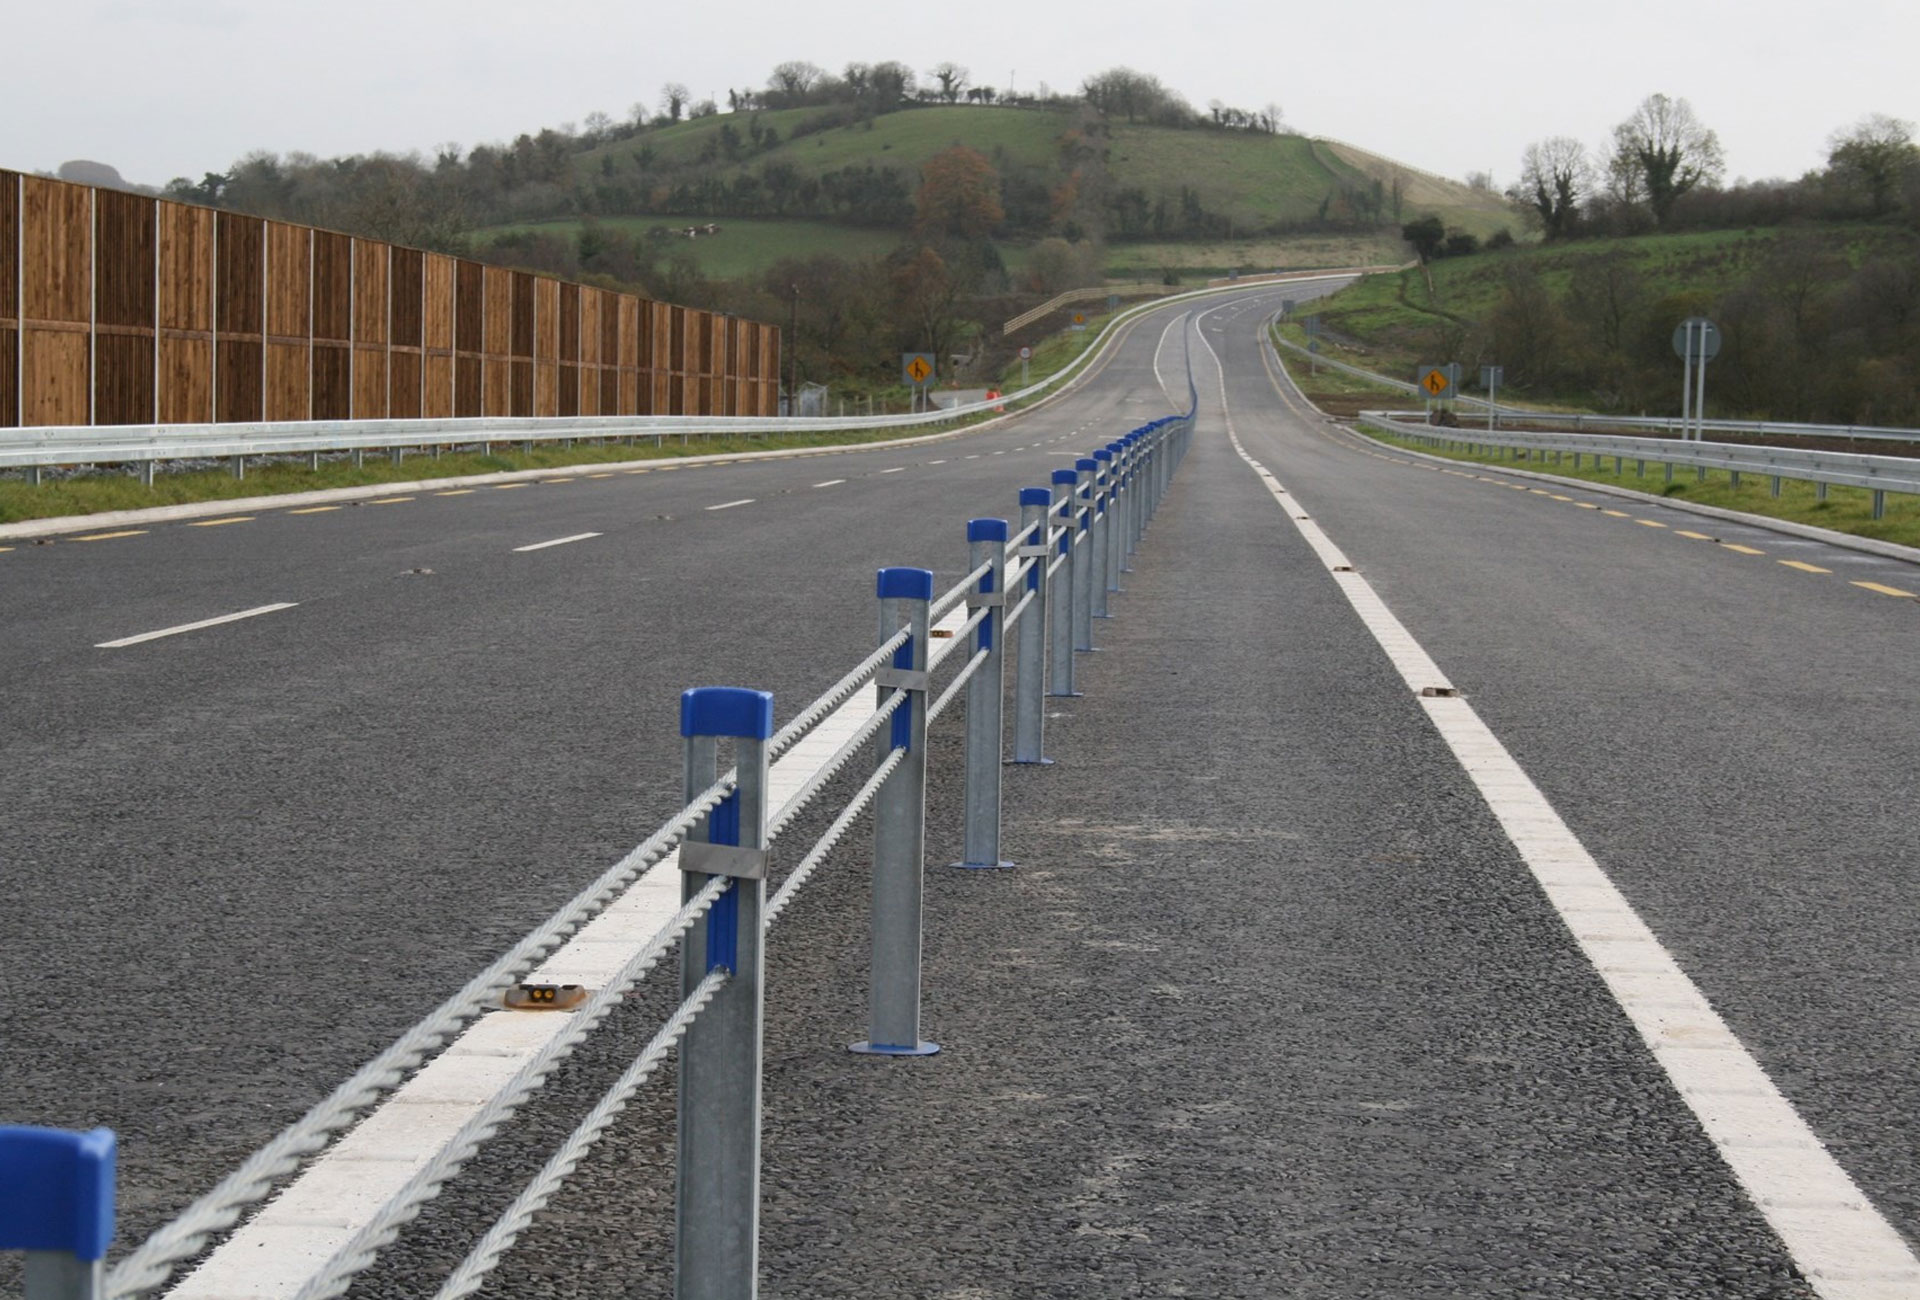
x=897, y=469
x=255, y=612
x=728, y=505
x=832, y=482
x=272, y=1255
x=558, y=541
x=936, y=462
x=1843, y=1245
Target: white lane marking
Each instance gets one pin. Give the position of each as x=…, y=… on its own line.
x=1160, y=347
x=832, y=482
x=195, y=627
x=897, y=469
x=1843, y=1245
x=274, y=1254
x=728, y=505
x=558, y=541
x=936, y=462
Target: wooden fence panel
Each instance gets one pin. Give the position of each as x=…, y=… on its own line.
x=290, y=275
x=496, y=375
x=659, y=357
x=239, y=320
x=9, y=300
x=569, y=354
x=590, y=300
x=126, y=253
x=186, y=314
x=520, y=379
x=372, y=327
x=406, y=327
x=436, y=398
x=610, y=307
x=769, y=370
x=632, y=312
x=546, y=346
x=332, y=388
x=56, y=302
x=469, y=338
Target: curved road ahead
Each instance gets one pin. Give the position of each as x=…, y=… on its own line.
x=1322, y=1035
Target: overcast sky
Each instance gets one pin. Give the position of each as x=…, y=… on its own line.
x=163, y=88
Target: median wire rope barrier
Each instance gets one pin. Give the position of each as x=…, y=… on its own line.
x=57, y=1188
x=147, y=446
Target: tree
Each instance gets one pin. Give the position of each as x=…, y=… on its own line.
x=1555, y=177
x=1874, y=157
x=952, y=78
x=792, y=80
x=674, y=98
x=1663, y=151
x=1122, y=90
x=959, y=195
x=891, y=83
x=1427, y=235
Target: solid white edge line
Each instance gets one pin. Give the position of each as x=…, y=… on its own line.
x=728, y=505
x=558, y=541
x=195, y=627
x=290, y=1238
x=1836, y=1237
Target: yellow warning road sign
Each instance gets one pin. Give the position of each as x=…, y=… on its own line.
x=917, y=367
x=1435, y=382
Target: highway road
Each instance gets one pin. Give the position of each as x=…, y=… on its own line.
x=1320, y=1036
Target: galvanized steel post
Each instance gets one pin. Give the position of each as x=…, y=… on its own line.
x=1060, y=596
x=1117, y=508
x=986, y=544
x=717, y=1201
x=1030, y=670
x=57, y=1204
x=1103, y=508
x=899, y=825
x=1137, y=443
x=1082, y=564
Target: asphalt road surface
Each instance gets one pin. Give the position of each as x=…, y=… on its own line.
x=1271, y=1006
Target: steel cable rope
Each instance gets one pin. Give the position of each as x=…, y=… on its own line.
x=953, y=595
x=831, y=837
x=486, y=1253
x=959, y=680
x=378, y=1232
x=154, y=1261
x=834, y=696
x=831, y=768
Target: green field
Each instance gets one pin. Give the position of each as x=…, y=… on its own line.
x=1146, y=260
x=745, y=246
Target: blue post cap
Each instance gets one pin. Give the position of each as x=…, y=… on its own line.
x=56, y=1190
x=1117, y=446
x=1086, y=463
x=726, y=711
x=1065, y=476
x=987, y=530
x=1036, y=496
x=905, y=584
x=1104, y=454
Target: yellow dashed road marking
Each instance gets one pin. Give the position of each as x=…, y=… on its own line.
x=1586, y=505
x=557, y=482
x=1886, y=591
x=390, y=501
x=507, y=487
x=1617, y=514
x=312, y=510
x=1651, y=523
x=1744, y=550
x=1698, y=537
x=599, y=476
x=107, y=537
x=457, y=492
x=1805, y=567
x=639, y=471
x=215, y=523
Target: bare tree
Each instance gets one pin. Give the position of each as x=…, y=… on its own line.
x=1664, y=150
x=1555, y=178
x=794, y=79
x=674, y=97
x=1874, y=156
x=952, y=78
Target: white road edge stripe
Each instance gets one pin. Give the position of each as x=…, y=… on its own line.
x=298, y=1231
x=1844, y=1246
x=195, y=627
x=728, y=505
x=558, y=541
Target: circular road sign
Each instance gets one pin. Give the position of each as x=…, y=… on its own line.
x=1026, y=354
x=1696, y=339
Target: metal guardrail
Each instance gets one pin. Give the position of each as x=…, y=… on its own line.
x=1581, y=421
x=1878, y=474
x=35, y=449
x=1042, y=585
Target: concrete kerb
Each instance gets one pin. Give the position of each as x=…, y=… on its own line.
x=28, y=529
x=1811, y=532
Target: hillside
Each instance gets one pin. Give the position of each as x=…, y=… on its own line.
x=1201, y=200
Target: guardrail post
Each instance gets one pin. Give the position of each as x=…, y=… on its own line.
x=1081, y=522
x=1102, y=524
x=1030, y=670
x=717, y=1203
x=986, y=544
x=1139, y=441
x=899, y=826
x=1060, y=598
x=1118, y=504
x=56, y=1204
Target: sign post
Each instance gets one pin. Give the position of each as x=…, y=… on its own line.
x=1696, y=341
x=1313, y=344
x=916, y=369
x=1026, y=355
x=1490, y=379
